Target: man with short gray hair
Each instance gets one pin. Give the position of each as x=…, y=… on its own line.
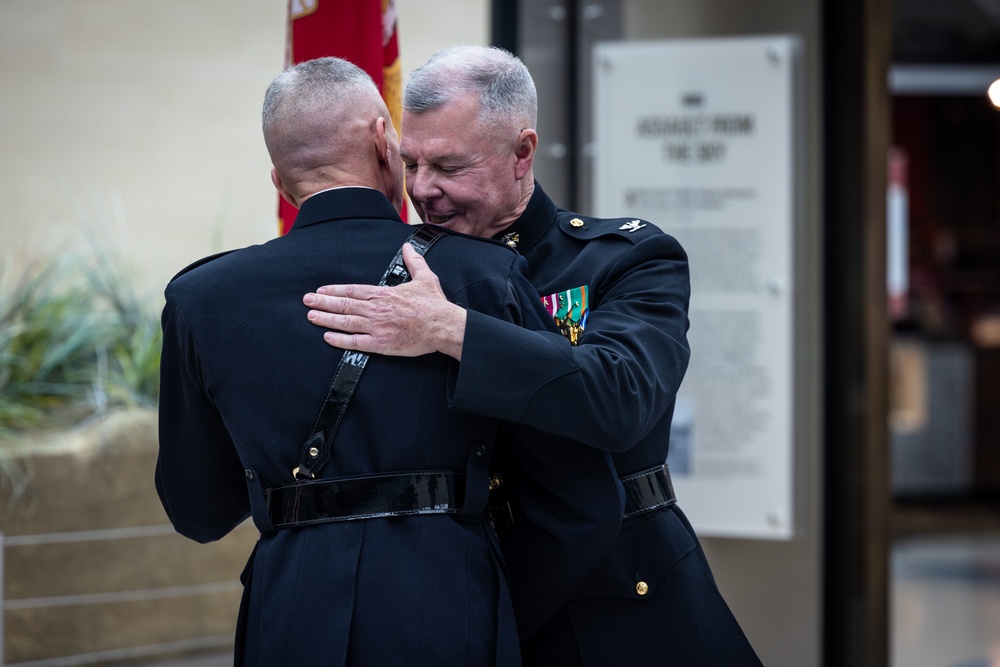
x=618, y=289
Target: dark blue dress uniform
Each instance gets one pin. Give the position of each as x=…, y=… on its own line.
x=243, y=377
x=652, y=599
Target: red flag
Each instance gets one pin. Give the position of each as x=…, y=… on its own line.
x=361, y=31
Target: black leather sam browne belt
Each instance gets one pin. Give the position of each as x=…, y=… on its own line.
x=648, y=490
x=304, y=503
x=644, y=492
x=309, y=501
x=316, y=451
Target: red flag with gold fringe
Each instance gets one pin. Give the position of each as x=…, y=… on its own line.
x=361, y=31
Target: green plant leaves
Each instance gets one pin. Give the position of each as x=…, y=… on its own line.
x=74, y=339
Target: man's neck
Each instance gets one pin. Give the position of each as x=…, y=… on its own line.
x=335, y=187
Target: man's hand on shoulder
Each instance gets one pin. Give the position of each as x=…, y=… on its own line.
x=408, y=320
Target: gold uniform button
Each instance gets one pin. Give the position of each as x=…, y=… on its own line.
x=576, y=222
x=642, y=588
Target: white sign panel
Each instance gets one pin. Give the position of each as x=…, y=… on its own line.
x=698, y=138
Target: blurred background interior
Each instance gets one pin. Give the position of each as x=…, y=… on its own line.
x=945, y=364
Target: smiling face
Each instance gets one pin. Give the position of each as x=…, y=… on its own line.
x=463, y=175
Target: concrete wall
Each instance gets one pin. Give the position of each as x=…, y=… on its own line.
x=137, y=122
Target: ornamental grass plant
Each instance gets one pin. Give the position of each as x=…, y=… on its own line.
x=75, y=340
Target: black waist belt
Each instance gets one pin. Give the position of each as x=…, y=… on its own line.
x=648, y=490
x=349, y=498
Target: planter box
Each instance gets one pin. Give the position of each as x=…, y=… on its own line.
x=91, y=567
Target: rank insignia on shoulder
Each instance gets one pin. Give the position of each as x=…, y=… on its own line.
x=569, y=309
x=633, y=226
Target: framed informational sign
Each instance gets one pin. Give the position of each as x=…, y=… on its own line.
x=699, y=137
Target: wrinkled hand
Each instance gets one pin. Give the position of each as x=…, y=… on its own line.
x=408, y=320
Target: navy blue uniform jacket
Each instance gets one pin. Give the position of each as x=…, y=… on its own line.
x=614, y=391
x=243, y=376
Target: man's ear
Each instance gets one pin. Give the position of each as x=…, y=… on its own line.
x=280, y=187
x=381, y=143
x=524, y=152
x=389, y=172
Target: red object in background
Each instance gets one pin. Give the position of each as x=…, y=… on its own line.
x=361, y=31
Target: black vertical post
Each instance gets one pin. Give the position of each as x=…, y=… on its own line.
x=503, y=25
x=856, y=140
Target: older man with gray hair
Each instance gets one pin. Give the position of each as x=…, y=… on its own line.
x=618, y=289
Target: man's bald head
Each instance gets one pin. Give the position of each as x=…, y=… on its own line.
x=323, y=122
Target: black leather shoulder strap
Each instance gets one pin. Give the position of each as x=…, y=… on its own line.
x=316, y=451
